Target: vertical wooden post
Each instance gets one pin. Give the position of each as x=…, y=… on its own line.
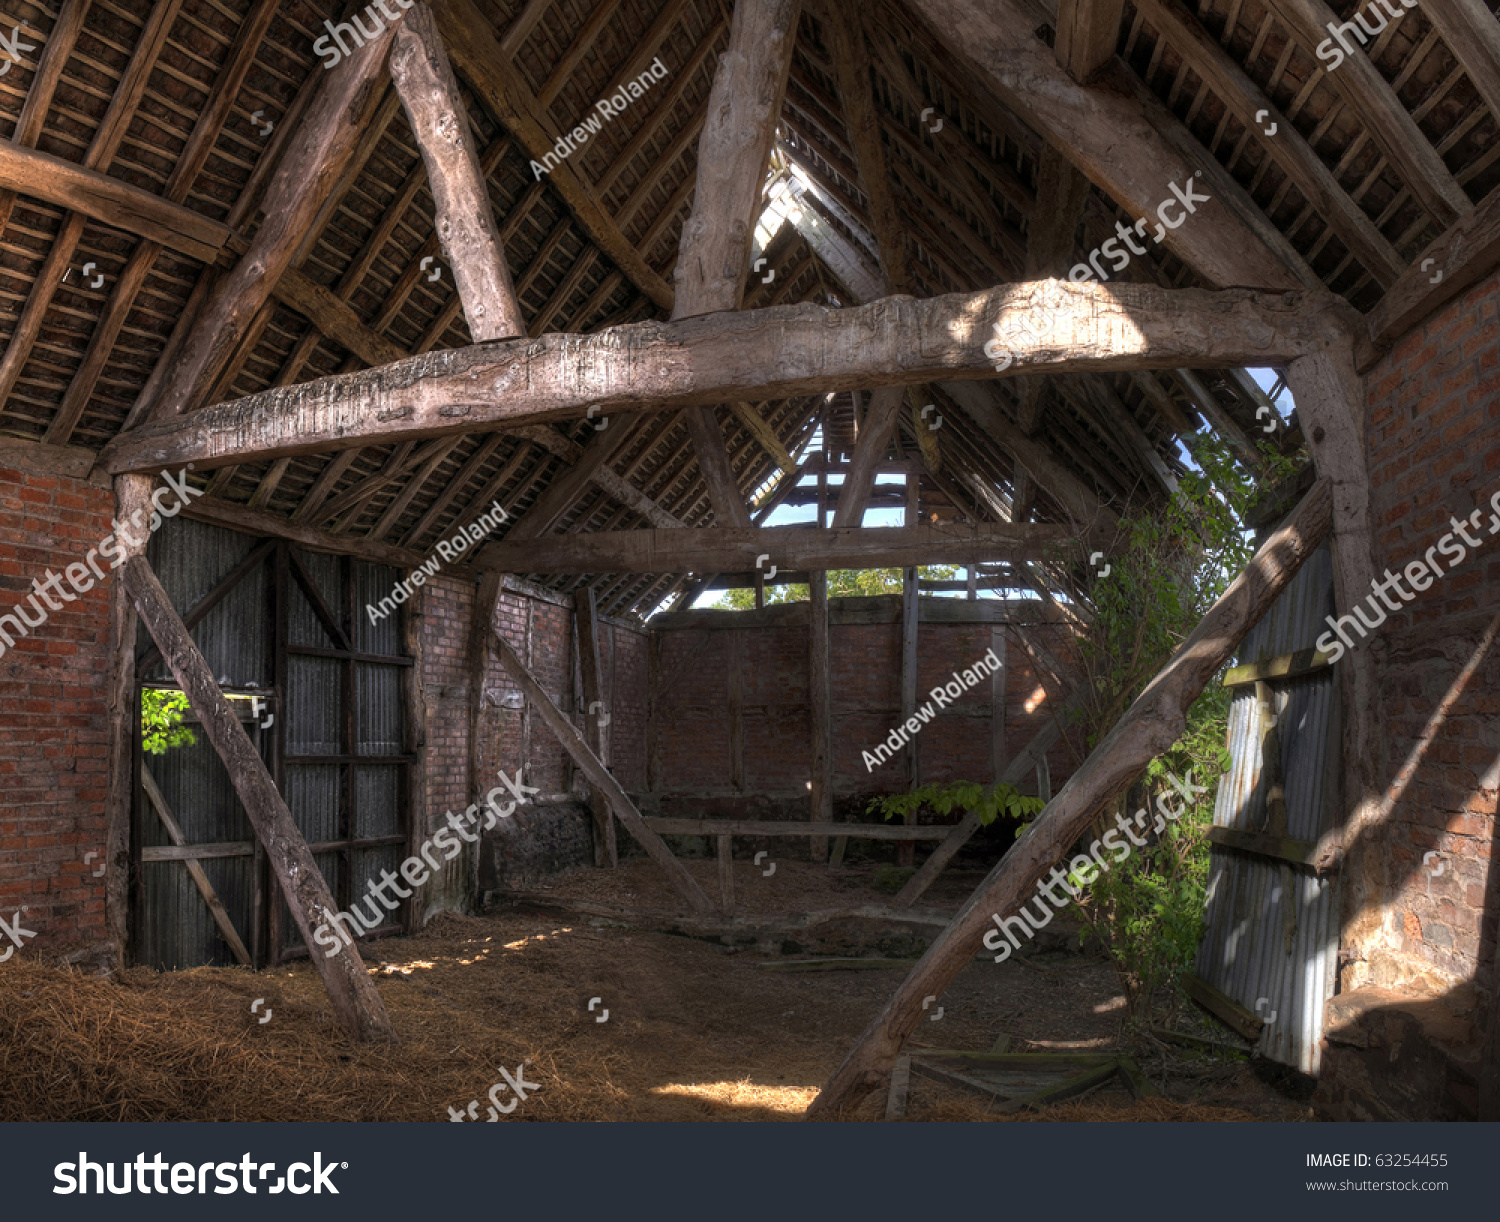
x=760, y=589
x=414, y=742
x=587, y=613
x=997, y=704
x=971, y=583
x=481, y=633
x=906, y=852
x=132, y=495
x=820, y=704
x=735, y=683
x=726, y=873
x=350, y=988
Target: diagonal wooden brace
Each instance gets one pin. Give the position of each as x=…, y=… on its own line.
x=355, y=999
x=572, y=742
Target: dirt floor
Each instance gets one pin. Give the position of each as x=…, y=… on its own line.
x=696, y=1030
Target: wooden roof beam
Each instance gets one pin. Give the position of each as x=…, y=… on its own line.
x=1367, y=94
x=464, y=218
x=1104, y=134
x=758, y=354
x=718, y=550
x=49, y=70
x=713, y=252
x=475, y=52
x=851, y=61
x=1473, y=36
x=314, y=161
x=1087, y=31
x=1245, y=101
x=132, y=278
x=1462, y=257
x=101, y=152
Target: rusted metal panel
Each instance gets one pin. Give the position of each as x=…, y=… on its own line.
x=1270, y=937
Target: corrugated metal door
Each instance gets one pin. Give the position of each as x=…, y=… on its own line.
x=1271, y=923
x=288, y=628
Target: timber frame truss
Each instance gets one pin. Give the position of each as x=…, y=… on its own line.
x=396, y=323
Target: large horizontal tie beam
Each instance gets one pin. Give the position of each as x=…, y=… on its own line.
x=791, y=548
x=754, y=354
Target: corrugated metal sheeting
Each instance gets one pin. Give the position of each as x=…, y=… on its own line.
x=334, y=741
x=1271, y=927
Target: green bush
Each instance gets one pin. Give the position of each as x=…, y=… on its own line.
x=989, y=804
x=1147, y=911
x=161, y=721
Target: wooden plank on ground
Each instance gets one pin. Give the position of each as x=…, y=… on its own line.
x=1223, y=1007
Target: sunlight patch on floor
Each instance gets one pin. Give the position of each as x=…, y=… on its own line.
x=792, y=1100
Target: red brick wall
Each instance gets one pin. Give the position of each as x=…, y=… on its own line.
x=511, y=737
x=1433, y=443
x=52, y=714
x=693, y=740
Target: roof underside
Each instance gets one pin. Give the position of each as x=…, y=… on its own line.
x=140, y=91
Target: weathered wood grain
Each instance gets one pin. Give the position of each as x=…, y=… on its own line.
x=757, y=354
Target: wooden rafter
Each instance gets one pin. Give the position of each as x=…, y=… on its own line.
x=1245, y=100
x=478, y=54
x=714, y=250
x=313, y=163
x=101, y=152
x=845, y=33
x=195, y=154
x=1105, y=136
x=1390, y=125
x=1462, y=257
x=49, y=70
x=465, y=220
